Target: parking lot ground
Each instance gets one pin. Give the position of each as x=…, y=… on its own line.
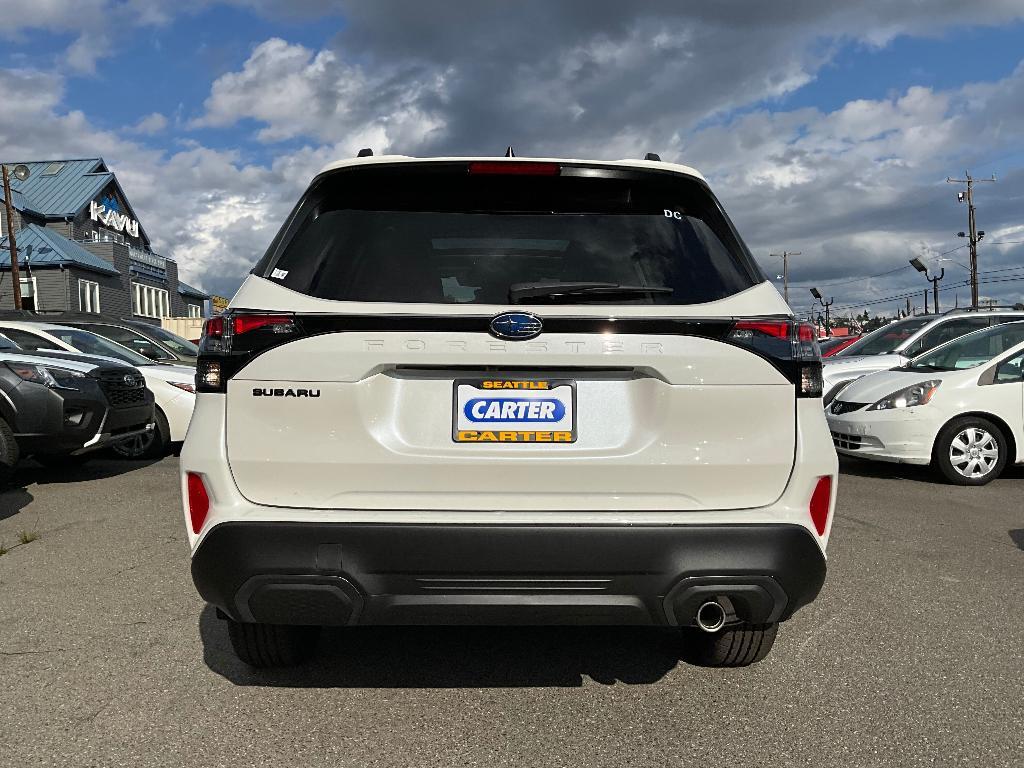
x=912, y=655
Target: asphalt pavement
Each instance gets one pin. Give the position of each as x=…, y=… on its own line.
x=912, y=655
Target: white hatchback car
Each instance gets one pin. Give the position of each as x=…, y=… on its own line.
x=173, y=386
x=507, y=391
x=959, y=407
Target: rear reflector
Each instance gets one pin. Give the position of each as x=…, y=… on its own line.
x=198, y=501
x=507, y=168
x=821, y=502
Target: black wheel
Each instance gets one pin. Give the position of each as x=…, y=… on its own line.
x=9, y=452
x=62, y=460
x=272, y=645
x=151, y=445
x=970, y=451
x=735, y=646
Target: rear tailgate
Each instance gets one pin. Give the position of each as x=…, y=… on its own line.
x=365, y=421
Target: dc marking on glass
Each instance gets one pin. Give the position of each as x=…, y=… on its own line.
x=514, y=409
x=516, y=326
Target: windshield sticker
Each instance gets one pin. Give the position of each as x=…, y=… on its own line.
x=673, y=214
x=279, y=274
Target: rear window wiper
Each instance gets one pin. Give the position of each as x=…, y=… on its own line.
x=519, y=291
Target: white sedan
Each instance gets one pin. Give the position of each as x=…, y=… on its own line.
x=959, y=407
x=173, y=386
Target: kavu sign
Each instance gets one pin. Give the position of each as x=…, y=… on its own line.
x=514, y=411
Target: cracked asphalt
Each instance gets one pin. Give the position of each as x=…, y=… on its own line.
x=912, y=655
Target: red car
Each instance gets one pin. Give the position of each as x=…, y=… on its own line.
x=835, y=344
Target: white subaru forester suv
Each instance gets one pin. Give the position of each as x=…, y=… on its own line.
x=508, y=391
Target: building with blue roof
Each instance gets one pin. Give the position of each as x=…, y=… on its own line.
x=82, y=248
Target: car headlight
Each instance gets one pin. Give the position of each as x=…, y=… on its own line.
x=908, y=397
x=47, y=376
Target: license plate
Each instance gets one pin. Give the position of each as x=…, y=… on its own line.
x=514, y=411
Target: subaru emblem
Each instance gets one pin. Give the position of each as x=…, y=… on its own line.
x=516, y=326
x=129, y=380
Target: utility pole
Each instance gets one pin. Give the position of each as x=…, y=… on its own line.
x=785, y=270
x=972, y=229
x=11, y=244
x=926, y=301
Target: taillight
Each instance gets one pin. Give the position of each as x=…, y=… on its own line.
x=231, y=340
x=213, y=328
x=276, y=323
x=198, y=501
x=821, y=502
x=790, y=345
x=512, y=168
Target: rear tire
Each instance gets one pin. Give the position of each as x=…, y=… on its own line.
x=735, y=646
x=9, y=453
x=272, y=645
x=970, y=451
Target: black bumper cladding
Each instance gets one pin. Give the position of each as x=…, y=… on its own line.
x=348, y=574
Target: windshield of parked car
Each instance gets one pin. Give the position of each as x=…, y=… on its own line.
x=971, y=350
x=886, y=339
x=174, y=341
x=91, y=344
x=440, y=234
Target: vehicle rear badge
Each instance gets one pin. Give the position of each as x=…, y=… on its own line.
x=516, y=326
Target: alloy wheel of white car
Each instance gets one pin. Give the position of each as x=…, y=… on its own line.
x=970, y=450
x=974, y=452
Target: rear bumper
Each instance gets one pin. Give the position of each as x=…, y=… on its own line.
x=366, y=574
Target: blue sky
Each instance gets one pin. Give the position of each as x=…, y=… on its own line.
x=824, y=127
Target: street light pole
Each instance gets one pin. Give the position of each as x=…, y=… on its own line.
x=920, y=267
x=826, y=304
x=11, y=243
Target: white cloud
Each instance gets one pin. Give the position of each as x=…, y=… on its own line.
x=155, y=122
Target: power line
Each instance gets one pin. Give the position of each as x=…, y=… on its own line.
x=853, y=280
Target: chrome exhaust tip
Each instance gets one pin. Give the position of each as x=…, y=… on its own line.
x=711, y=616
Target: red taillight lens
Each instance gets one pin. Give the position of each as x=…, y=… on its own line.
x=198, y=501
x=511, y=168
x=246, y=323
x=214, y=328
x=821, y=502
x=777, y=329
x=806, y=332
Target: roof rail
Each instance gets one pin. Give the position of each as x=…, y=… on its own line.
x=993, y=308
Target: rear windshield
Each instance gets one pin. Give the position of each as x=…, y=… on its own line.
x=885, y=340
x=440, y=234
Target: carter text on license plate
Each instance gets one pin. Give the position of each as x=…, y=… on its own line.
x=514, y=411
